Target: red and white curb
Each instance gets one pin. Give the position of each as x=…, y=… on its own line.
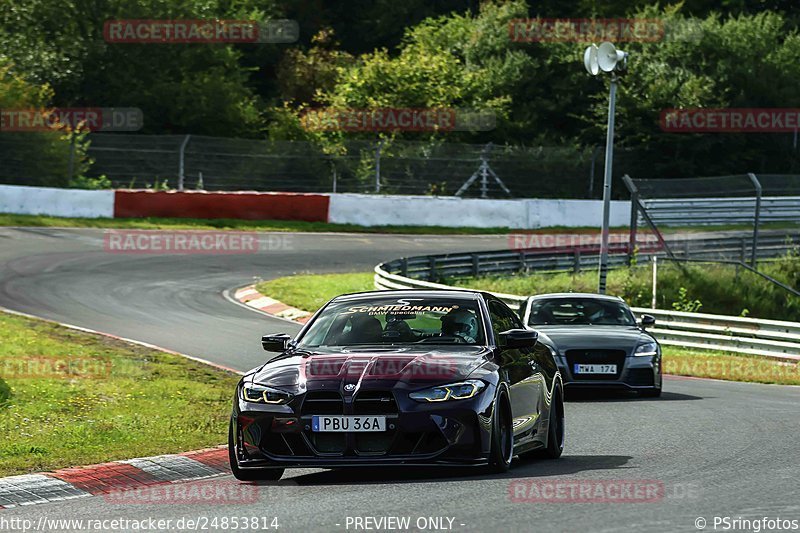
x=252, y=298
x=105, y=478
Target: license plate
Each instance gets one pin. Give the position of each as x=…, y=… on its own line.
x=341, y=424
x=595, y=369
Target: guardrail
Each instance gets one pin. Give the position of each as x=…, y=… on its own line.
x=771, y=338
x=686, y=211
x=455, y=265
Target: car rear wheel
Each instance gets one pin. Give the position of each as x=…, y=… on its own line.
x=273, y=474
x=555, y=430
x=502, y=450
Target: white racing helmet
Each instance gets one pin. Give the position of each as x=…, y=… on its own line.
x=460, y=323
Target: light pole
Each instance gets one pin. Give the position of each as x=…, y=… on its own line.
x=608, y=59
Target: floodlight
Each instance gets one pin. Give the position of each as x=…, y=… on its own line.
x=590, y=60
x=609, y=58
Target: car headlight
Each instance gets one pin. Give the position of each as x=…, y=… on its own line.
x=648, y=348
x=262, y=394
x=454, y=391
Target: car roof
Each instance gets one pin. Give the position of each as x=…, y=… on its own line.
x=461, y=294
x=586, y=295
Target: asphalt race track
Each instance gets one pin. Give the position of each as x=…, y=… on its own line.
x=714, y=449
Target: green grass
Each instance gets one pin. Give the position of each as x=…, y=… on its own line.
x=309, y=292
x=295, y=225
x=69, y=398
x=721, y=289
x=252, y=225
x=720, y=365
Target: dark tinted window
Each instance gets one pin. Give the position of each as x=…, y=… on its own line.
x=503, y=318
x=385, y=320
x=580, y=311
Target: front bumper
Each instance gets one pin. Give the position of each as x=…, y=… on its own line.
x=635, y=373
x=447, y=433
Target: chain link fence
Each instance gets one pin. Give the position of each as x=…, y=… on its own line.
x=390, y=167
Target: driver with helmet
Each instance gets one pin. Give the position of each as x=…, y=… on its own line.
x=462, y=324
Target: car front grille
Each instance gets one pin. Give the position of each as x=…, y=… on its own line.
x=374, y=402
x=322, y=403
x=595, y=357
x=366, y=402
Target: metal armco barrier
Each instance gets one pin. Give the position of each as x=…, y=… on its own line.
x=771, y=338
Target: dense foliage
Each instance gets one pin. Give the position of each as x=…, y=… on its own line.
x=417, y=53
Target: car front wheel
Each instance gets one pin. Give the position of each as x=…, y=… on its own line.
x=272, y=474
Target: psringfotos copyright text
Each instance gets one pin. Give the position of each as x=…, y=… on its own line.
x=738, y=523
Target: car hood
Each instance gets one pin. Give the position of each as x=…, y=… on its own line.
x=331, y=368
x=600, y=337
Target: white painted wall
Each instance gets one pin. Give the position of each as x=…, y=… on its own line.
x=373, y=210
x=20, y=200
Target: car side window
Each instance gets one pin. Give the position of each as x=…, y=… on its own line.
x=503, y=318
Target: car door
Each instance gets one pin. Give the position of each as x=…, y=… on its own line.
x=520, y=366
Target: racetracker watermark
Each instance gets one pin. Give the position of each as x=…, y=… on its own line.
x=582, y=242
x=732, y=120
x=598, y=491
x=398, y=119
x=736, y=369
x=75, y=118
x=210, y=492
x=148, y=31
x=618, y=30
x=193, y=242
x=407, y=368
x=68, y=367
x=585, y=30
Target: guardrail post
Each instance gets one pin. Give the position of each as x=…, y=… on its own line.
x=576, y=261
x=743, y=253
x=476, y=268
x=432, y=268
x=756, y=218
x=404, y=267
x=634, y=216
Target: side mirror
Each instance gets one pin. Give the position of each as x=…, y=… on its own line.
x=648, y=320
x=518, y=338
x=277, y=342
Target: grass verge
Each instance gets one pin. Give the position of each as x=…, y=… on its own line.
x=252, y=225
x=309, y=292
x=705, y=288
x=70, y=398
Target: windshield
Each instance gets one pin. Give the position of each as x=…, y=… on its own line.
x=580, y=311
x=392, y=321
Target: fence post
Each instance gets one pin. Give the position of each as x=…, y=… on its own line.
x=378, y=166
x=655, y=281
x=181, y=166
x=595, y=151
x=756, y=218
x=71, y=164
